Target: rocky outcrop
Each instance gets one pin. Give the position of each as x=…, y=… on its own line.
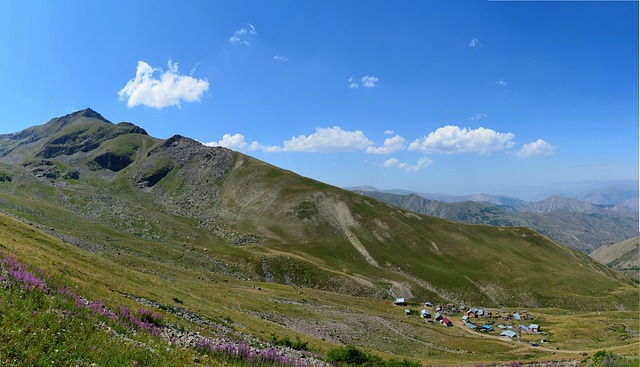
x=114, y=161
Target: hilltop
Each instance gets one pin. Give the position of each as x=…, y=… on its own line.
x=224, y=235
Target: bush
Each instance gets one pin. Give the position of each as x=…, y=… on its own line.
x=351, y=356
x=348, y=355
x=286, y=342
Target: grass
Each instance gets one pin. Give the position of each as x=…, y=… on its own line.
x=283, y=310
x=41, y=326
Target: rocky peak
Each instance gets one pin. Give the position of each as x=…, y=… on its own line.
x=132, y=128
x=87, y=113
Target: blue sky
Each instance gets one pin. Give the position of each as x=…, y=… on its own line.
x=457, y=97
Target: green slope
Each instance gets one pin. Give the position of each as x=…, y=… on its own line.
x=463, y=263
x=623, y=256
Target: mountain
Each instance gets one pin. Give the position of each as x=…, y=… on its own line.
x=484, y=198
x=611, y=194
x=228, y=242
x=558, y=203
x=170, y=190
x=574, y=223
x=623, y=256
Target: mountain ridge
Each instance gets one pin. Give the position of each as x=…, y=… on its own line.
x=172, y=190
x=611, y=196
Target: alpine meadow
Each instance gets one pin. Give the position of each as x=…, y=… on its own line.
x=219, y=251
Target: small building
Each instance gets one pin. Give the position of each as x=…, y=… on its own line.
x=502, y=327
x=425, y=314
x=516, y=316
x=407, y=311
x=508, y=333
x=438, y=316
x=471, y=326
x=428, y=304
x=446, y=321
x=400, y=302
x=472, y=312
x=534, y=328
x=465, y=318
x=487, y=327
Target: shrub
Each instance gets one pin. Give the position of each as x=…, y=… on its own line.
x=348, y=355
x=351, y=356
x=286, y=342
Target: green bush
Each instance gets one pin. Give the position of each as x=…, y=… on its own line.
x=293, y=344
x=351, y=356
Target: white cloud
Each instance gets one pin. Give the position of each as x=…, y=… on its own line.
x=234, y=142
x=328, y=140
x=352, y=83
x=536, y=148
x=239, y=143
x=423, y=162
x=478, y=116
x=324, y=140
x=475, y=43
x=243, y=35
x=501, y=83
x=280, y=58
x=369, y=81
x=390, y=145
x=453, y=139
x=167, y=90
x=388, y=132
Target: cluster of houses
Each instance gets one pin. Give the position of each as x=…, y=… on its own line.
x=442, y=314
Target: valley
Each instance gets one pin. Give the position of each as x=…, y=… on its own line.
x=265, y=254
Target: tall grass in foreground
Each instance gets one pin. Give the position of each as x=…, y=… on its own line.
x=43, y=324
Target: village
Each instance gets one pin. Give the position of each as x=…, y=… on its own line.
x=507, y=324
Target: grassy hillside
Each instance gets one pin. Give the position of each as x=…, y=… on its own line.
x=422, y=256
x=263, y=253
x=260, y=312
x=623, y=256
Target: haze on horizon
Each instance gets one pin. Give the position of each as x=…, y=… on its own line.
x=458, y=98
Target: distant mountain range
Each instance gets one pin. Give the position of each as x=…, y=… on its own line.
x=616, y=196
x=576, y=223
